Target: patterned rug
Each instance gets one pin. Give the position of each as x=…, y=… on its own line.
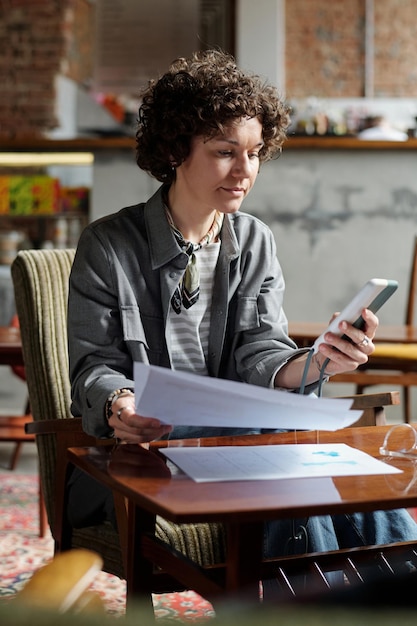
x=22, y=552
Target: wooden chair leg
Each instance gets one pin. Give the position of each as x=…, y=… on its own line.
x=43, y=519
x=15, y=455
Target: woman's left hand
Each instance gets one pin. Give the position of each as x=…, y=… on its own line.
x=346, y=355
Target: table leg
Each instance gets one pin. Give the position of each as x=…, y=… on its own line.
x=139, y=569
x=244, y=556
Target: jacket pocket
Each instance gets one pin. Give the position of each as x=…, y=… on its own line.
x=247, y=314
x=132, y=325
x=143, y=335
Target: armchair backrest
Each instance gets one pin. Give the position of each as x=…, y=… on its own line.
x=40, y=279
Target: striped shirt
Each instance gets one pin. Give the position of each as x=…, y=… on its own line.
x=189, y=331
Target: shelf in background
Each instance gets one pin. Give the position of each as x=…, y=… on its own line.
x=294, y=142
x=331, y=142
x=79, y=144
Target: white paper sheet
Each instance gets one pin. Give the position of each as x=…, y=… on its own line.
x=181, y=398
x=225, y=463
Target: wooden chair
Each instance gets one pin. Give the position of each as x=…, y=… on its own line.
x=392, y=363
x=40, y=280
x=12, y=426
x=373, y=406
x=12, y=429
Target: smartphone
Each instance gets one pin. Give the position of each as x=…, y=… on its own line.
x=372, y=296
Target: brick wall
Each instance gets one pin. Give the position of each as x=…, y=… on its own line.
x=79, y=31
x=325, y=43
x=395, y=61
x=32, y=46
x=324, y=53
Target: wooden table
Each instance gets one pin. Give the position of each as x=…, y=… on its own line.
x=10, y=346
x=243, y=506
x=304, y=333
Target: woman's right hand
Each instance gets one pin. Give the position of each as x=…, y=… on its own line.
x=130, y=427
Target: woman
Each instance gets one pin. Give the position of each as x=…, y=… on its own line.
x=187, y=281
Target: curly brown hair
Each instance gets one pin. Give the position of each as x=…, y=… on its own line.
x=200, y=96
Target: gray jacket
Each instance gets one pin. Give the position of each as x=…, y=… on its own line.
x=126, y=268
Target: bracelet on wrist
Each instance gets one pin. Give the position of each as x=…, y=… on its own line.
x=118, y=393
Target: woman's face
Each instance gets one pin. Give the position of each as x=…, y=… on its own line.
x=220, y=172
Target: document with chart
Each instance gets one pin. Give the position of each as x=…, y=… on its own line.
x=222, y=463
